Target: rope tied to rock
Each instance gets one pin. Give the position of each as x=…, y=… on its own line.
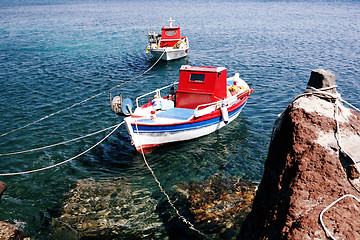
x=322, y=92
x=336, y=99
x=327, y=208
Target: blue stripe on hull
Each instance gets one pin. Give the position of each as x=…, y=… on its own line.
x=182, y=127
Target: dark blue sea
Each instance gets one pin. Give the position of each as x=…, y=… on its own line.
x=55, y=53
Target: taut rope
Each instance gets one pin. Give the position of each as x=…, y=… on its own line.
x=191, y=226
x=56, y=144
x=68, y=160
x=75, y=104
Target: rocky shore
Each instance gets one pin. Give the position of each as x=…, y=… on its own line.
x=310, y=165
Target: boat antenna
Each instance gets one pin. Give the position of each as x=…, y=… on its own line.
x=171, y=21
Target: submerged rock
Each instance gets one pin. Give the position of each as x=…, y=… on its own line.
x=218, y=205
x=107, y=209
x=309, y=166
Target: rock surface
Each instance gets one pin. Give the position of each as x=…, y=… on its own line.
x=11, y=232
x=321, y=78
x=309, y=167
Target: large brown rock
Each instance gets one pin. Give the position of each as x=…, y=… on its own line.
x=305, y=171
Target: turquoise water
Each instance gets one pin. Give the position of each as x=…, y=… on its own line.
x=57, y=53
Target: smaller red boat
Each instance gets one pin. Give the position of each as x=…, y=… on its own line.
x=169, y=44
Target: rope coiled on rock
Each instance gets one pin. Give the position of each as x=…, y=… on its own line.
x=336, y=98
x=332, y=204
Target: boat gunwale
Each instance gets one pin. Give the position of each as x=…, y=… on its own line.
x=193, y=119
x=185, y=127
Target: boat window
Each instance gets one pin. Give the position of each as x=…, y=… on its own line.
x=195, y=77
x=170, y=33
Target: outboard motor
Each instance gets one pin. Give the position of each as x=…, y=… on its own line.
x=121, y=107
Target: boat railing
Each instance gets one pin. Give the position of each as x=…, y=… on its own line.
x=206, y=108
x=155, y=91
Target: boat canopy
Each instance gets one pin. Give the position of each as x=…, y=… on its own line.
x=200, y=85
x=170, y=36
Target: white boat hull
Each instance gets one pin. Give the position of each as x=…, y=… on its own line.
x=170, y=53
x=151, y=139
x=191, y=114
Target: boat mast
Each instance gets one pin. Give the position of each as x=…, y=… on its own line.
x=171, y=21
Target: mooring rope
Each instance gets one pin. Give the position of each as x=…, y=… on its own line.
x=56, y=144
x=78, y=103
x=65, y=161
x=338, y=137
x=321, y=93
x=332, y=204
x=191, y=226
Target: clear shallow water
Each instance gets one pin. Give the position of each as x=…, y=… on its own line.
x=54, y=54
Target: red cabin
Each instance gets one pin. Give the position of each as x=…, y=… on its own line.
x=170, y=36
x=200, y=85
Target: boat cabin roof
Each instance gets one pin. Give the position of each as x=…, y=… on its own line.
x=202, y=69
x=170, y=33
x=200, y=85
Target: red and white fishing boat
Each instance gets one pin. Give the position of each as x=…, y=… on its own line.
x=205, y=101
x=169, y=44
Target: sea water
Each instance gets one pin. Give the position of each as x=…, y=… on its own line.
x=54, y=54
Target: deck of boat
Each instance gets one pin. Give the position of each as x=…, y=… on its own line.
x=170, y=116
